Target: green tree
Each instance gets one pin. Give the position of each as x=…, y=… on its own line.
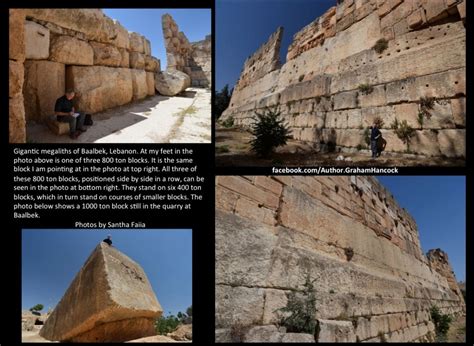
x=222, y=100
x=301, y=310
x=403, y=131
x=37, y=308
x=269, y=131
x=189, y=311
x=441, y=321
x=165, y=325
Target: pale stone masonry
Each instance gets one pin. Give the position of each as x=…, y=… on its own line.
x=348, y=233
x=321, y=90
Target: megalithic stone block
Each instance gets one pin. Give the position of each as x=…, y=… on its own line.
x=109, y=300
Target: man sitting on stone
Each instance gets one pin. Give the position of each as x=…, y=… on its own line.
x=108, y=240
x=65, y=112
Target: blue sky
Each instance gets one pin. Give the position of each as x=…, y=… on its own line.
x=195, y=23
x=52, y=258
x=438, y=205
x=242, y=26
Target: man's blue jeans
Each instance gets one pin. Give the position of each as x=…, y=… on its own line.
x=74, y=123
x=373, y=147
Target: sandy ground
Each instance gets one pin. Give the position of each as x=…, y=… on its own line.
x=158, y=119
x=233, y=149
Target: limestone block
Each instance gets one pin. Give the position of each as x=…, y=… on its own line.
x=140, y=86
x=441, y=116
x=71, y=51
x=146, y=46
x=136, y=42
x=16, y=120
x=250, y=209
x=223, y=335
x=435, y=10
x=100, y=87
x=40, y=100
x=346, y=100
x=386, y=113
x=125, y=58
x=238, y=305
x=16, y=34
x=274, y=300
x=15, y=78
x=458, y=108
x=257, y=243
x=416, y=19
x=402, y=91
x=57, y=127
x=297, y=337
x=106, y=54
x=452, y=143
x=408, y=112
x=126, y=310
x=268, y=333
x=375, y=98
x=36, y=41
x=394, y=143
x=425, y=142
x=137, y=60
x=152, y=64
x=462, y=10
x=121, y=40
x=171, y=82
x=150, y=83
x=335, y=331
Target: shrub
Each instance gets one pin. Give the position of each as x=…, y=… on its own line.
x=365, y=89
x=403, y=131
x=380, y=45
x=165, y=325
x=301, y=309
x=421, y=119
x=270, y=132
x=37, y=307
x=229, y=122
x=379, y=122
x=426, y=104
x=367, y=136
x=222, y=100
x=382, y=337
x=441, y=321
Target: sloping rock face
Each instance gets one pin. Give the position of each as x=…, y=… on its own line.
x=109, y=300
x=171, y=82
x=348, y=235
x=67, y=39
x=335, y=83
x=192, y=58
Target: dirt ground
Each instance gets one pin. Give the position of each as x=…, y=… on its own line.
x=185, y=118
x=233, y=149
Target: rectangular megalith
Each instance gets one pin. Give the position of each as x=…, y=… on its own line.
x=109, y=300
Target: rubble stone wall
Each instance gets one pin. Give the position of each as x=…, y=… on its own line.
x=334, y=83
x=55, y=49
x=192, y=58
x=348, y=234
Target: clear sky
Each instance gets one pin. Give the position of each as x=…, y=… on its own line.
x=242, y=26
x=52, y=258
x=195, y=23
x=438, y=205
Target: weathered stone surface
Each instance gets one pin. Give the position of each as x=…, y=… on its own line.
x=458, y=108
x=371, y=282
x=109, y=300
x=36, y=41
x=15, y=77
x=171, y=82
x=39, y=100
x=452, y=143
x=263, y=334
x=183, y=333
x=150, y=83
x=140, y=86
x=71, y=51
x=297, y=337
x=137, y=60
x=335, y=331
x=100, y=87
x=136, y=42
x=125, y=59
x=16, y=123
x=106, y=54
x=16, y=34
x=152, y=64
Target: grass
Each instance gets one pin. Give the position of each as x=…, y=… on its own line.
x=366, y=89
x=188, y=111
x=380, y=45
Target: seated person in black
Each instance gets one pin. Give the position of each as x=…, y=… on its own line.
x=64, y=110
x=108, y=240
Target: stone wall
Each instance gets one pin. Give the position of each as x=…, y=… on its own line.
x=192, y=58
x=73, y=48
x=334, y=83
x=346, y=233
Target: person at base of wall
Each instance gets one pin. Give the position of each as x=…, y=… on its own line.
x=65, y=112
x=374, y=136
